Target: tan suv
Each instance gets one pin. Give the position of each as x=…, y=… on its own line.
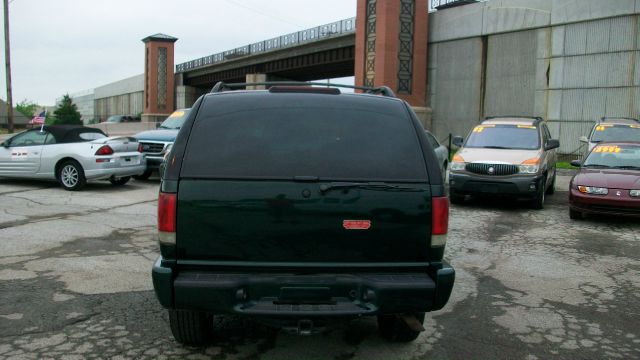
x=505, y=156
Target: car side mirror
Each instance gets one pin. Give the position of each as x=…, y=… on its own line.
x=552, y=144
x=576, y=163
x=583, y=139
x=458, y=141
x=5, y=144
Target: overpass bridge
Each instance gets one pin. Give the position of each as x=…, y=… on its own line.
x=321, y=52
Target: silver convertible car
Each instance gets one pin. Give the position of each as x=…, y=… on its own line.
x=72, y=155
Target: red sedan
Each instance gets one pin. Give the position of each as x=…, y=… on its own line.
x=608, y=182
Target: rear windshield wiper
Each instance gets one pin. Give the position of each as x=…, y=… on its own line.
x=495, y=147
x=368, y=186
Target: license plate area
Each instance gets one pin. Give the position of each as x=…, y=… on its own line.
x=304, y=295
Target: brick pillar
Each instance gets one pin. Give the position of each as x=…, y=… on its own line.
x=391, y=47
x=158, y=77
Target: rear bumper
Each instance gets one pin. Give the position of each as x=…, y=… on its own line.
x=153, y=163
x=516, y=186
x=105, y=173
x=294, y=296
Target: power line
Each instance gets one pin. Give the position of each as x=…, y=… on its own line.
x=260, y=12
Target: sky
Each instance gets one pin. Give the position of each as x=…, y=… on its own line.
x=67, y=46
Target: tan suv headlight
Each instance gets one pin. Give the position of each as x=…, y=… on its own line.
x=457, y=163
x=531, y=166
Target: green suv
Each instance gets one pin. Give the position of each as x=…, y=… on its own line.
x=299, y=206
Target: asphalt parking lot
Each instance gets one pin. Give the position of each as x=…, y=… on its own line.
x=75, y=283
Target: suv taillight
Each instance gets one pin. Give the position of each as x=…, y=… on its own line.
x=439, y=221
x=167, y=204
x=105, y=150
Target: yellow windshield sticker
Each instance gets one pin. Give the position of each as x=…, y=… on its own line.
x=607, y=149
x=480, y=128
x=603, y=127
x=635, y=126
x=526, y=127
x=177, y=114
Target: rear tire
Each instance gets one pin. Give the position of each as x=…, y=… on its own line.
x=575, y=215
x=119, y=181
x=191, y=327
x=552, y=188
x=393, y=328
x=538, y=202
x=144, y=176
x=70, y=175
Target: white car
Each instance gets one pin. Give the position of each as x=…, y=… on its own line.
x=72, y=155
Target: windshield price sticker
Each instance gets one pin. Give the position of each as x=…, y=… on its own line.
x=526, y=127
x=603, y=127
x=607, y=149
x=177, y=114
x=480, y=128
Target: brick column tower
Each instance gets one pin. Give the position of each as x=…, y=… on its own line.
x=391, y=47
x=158, y=77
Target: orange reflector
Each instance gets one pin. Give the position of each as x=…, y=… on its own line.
x=457, y=158
x=534, y=161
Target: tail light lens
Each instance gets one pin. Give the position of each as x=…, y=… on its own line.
x=167, y=204
x=439, y=221
x=105, y=150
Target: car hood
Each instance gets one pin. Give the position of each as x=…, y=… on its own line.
x=497, y=156
x=609, y=178
x=157, y=135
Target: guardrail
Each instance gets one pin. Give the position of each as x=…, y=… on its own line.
x=310, y=35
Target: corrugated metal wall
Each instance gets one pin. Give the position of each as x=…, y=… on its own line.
x=571, y=74
x=127, y=104
x=456, y=89
x=511, y=74
x=595, y=73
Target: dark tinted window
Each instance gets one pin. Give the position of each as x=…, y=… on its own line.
x=608, y=132
x=521, y=137
x=282, y=136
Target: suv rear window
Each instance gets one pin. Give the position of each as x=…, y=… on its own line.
x=520, y=137
x=281, y=136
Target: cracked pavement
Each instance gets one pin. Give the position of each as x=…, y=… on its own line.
x=75, y=283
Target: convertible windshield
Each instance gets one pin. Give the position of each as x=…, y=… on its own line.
x=615, y=133
x=520, y=137
x=614, y=156
x=175, y=120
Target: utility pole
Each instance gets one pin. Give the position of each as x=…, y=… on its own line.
x=7, y=58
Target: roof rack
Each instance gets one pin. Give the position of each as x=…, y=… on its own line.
x=382, y=90
x=537, y=119
x=605, y=118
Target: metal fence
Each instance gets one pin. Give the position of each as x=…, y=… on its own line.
x=317, y=33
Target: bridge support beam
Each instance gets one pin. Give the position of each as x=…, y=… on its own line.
x=391, y=47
